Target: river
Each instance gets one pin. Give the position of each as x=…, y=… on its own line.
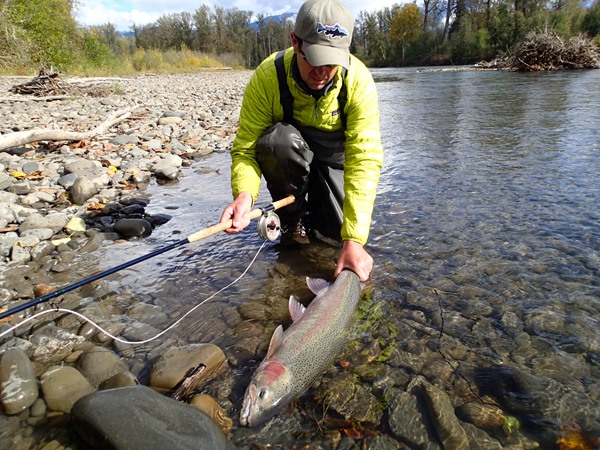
x=486, y=241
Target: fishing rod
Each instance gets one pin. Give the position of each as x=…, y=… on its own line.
x=268, y=228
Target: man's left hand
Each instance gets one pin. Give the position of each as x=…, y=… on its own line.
x=355, y=258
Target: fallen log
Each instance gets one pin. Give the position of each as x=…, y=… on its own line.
x=20, y=138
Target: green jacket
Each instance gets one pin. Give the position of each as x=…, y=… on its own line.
x=261, y=108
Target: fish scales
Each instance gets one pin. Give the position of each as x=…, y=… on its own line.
x=307, y=348
x=316, y=339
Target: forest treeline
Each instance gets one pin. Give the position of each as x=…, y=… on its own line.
x=46, y=32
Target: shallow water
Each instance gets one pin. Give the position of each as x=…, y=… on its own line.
x=486, y=229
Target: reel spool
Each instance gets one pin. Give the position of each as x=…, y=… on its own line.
x=269, y=226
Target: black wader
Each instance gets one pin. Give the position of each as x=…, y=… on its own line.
x=306, y=162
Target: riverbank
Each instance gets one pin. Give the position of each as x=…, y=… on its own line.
x=62, y=200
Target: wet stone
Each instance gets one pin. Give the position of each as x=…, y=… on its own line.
x=447, y=426
x=407, y=420
x=98, y=364
x=18, y=384
x=171, y=367
x=349, y=398
x=140, y=418
x=52, y=344
x=133, y=227
x=63, y=386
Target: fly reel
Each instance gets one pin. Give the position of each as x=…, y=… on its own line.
x=269, y=226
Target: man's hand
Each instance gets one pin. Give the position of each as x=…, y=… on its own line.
x=238, y=212
x=355, y=258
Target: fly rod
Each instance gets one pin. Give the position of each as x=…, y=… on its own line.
x=268, y=228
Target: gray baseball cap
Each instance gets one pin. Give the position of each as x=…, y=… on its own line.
x=325, y=27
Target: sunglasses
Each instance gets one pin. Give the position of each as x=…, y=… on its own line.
x=329, y=66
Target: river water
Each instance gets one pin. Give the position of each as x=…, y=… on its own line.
x=486, y=240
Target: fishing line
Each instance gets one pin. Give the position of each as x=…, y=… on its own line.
x=125, y=341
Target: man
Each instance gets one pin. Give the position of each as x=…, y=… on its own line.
x=309, y=123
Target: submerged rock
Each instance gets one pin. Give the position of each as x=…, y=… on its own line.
x=138, y=417
x=349, y=398
x=172, y=367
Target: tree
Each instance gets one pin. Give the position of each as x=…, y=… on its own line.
x=204, y=30
x=48, y=26
x=591, y=22
x=406, y=26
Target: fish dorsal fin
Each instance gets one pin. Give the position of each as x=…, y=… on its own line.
x=296, y=308
x=317, y=285
x=276, y=341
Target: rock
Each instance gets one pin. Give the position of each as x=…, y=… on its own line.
x=447, y=426
x=18, y=384
x=55, y=221
x=483, y=415
x=171, y=367
x=170, y=120
x=146, y=313
x=349, y=398
x=212, y=409
x=133, y=227
x=119, y=380
x=52, y=344
x=167, y=172
x=98, y=364
x=139, y=418
x=63, y=386
x=407, y=416
x=82, y=190
x=82, y=166
x=124, y=139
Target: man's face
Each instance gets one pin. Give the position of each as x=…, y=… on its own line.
x=315, y=77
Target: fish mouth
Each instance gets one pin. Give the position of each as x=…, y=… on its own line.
x=249, y=401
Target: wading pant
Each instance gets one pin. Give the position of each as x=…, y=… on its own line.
x=312, y=173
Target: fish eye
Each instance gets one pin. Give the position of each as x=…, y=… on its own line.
x=262, y=393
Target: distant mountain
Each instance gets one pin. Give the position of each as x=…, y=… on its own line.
x=280, y=19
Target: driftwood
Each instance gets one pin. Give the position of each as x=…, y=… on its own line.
x=185, y=387
x=20, y=138
x=548, y=51
x=48, y=85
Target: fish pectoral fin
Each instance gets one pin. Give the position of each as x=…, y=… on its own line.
x=296, y=308
x=317, y=285
x=276, y=341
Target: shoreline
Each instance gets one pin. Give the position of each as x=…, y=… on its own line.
x=175, y=120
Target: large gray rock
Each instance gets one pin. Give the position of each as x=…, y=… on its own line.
x=138, y=417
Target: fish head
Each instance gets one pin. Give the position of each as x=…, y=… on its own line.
x=268, y=392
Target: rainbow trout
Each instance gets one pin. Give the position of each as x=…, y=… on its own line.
x=296, y=357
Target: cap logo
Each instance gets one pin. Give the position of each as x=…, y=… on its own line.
x=334, y=31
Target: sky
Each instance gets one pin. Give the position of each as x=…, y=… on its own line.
x=125, y=13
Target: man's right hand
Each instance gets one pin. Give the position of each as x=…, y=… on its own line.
x=238, y=212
